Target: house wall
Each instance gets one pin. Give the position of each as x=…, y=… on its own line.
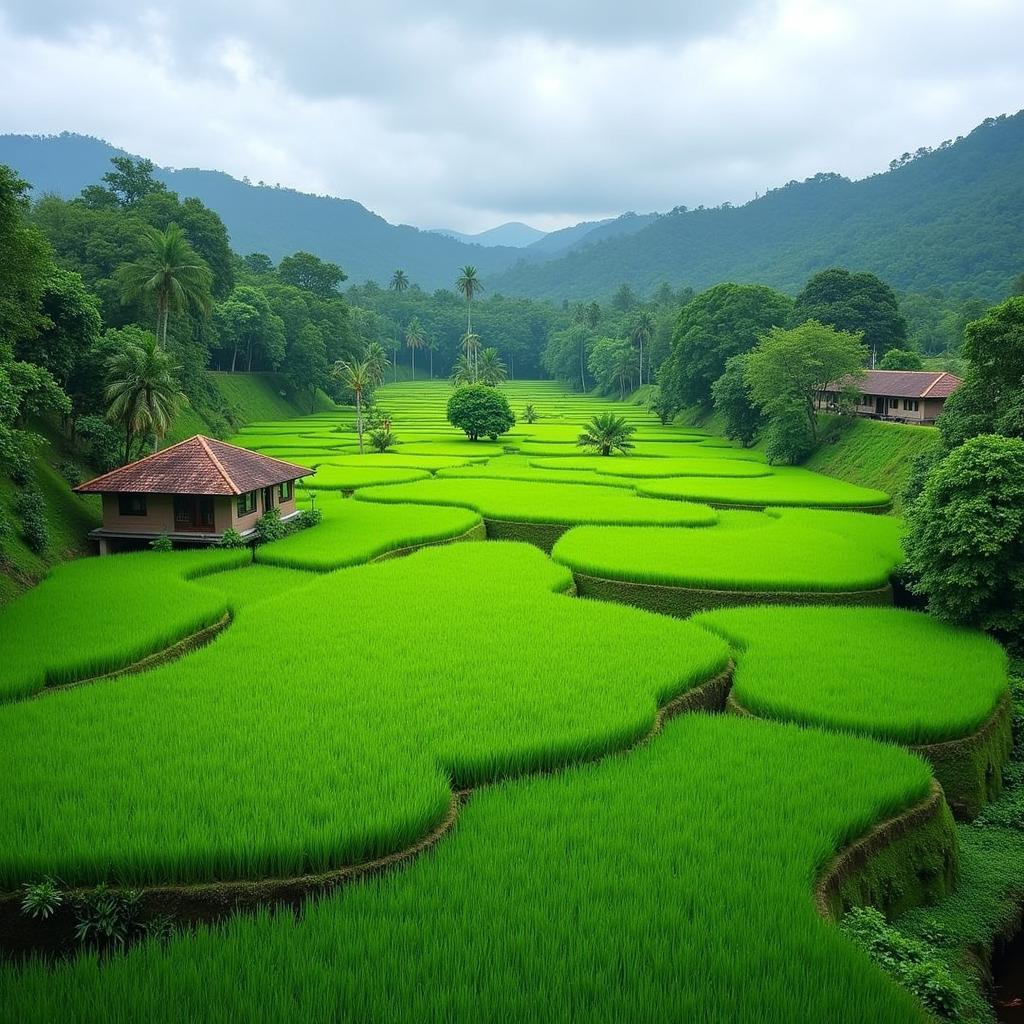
x=159, y=517
x=927, y=411
x=246, y=522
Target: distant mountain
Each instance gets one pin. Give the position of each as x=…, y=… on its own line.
x=558, y=243
x=514, y=233
x=952, y=218
x=264, y=218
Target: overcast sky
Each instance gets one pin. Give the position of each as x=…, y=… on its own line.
x=464, y=115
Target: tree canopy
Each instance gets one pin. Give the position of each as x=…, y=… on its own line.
x=480, y=411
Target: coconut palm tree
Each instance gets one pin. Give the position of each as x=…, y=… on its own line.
x=490, y=368
x=469, y=285
x=462, y=372
x=470, y=345
x=642, y=330
x=359, y=378
x=399, y=281
x=414, y=339
x=142, y=391
x=377, y=359
x=172, y=272
x=607, y=433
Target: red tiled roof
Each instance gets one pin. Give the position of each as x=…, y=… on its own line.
x=200, y=465
x=905, y=383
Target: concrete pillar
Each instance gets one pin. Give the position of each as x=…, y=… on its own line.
x=104, y=546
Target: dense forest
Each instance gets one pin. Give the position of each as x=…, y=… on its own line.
x=949, y=219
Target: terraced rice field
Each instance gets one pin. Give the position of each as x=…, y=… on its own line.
x=610, y=864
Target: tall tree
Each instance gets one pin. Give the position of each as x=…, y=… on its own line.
x=723, y=321
x=785, y=373
x=854, y=303
x=414, y=339
x=306, y=365
x=469, y=285
x=399, y=281
x=171, y=272
x=132, y=180
x=470, y=345
x=642, y=330
x=358, y=378
x=304, y=270
x=491, y=370
x=142, y=391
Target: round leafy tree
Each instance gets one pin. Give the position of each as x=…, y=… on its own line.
x=965, y=537
x=481, y=411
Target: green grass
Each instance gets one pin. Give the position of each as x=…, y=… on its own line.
x=265, y=396
x=874, y=454
x=670, y=885
x=895, y=675
x=350, y=477
x=786, y=486
x=353, y=532
x=778, y=556
x=96, y=615
x=522, y=502
x=642, y=467
x=327, y=725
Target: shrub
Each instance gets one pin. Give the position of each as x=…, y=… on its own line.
x=965, y=537
x=162, y=543
x=269, y=527
x=381, y=440
x=607, y=433
x=788, y=439
x=480, y=411
x=530, y=415
x=231, y=538
x=310, y=517
x=30, y=508
x=107, y=917
x=41, y=899
x=900, y=359
x=916, y=965
x=101, y=443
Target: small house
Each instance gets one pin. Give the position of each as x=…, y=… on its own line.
x=192, y=491
x=905, y=396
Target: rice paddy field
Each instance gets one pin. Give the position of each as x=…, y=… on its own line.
x=607, y=842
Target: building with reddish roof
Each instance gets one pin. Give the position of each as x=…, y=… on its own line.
x=906, y=396
x=192, y=491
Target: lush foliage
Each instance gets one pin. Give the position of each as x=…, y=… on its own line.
x=965, y=536
x=607, y=433
x=480, y=411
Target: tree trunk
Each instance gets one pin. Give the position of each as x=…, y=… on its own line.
x=641, y=362
x=431, y=364
x=127, y=445
x=359, y=419
x=234, y=357
x=414, y=363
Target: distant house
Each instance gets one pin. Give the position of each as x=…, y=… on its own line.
x=906, y=396
x=193, y=491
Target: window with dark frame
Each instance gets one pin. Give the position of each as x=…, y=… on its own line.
x=131, y=504
x=247, y=503
x=284, y=491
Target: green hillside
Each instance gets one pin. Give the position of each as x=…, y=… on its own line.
x=947, y=219
x=873, y=454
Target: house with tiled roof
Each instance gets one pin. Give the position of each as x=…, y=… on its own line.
x=905, y=396
x=192, y=491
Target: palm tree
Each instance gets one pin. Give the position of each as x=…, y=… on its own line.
x=490, y=369
x=142, y=391
x=414, y=339
x=607, y=433
x=172, y=272
x=399, y=281
x=358, y=378
x=470, y=345
x=469, y=285
x=377, y=359
x=462, y=372
x=643, y=330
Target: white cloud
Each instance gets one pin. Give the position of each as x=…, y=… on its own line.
x=540, y=112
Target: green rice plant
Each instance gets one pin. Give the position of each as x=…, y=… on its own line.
x=778, y=557
x=453, y=446
x=351, y=477
x=895, y=675
x=515, y=467
x=670, y=885
x=642, y=467
x=881, y=533
x=527, y=502
x=301, y=740
x=98, y=615
x=787, y=485
x=354, y=532
x=403, y=460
